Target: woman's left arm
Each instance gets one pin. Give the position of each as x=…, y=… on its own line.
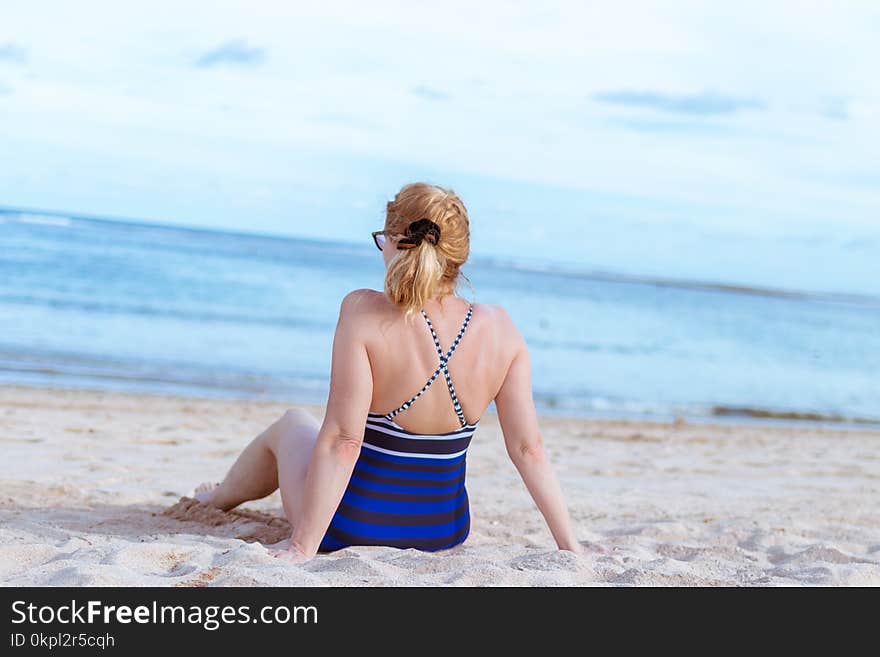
x=341, y=435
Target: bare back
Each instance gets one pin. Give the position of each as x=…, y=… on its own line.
x=403, y=357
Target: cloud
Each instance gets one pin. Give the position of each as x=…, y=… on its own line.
x=352, y=121
x=673, y=127
x=704, y=104
x=836, y=108
x=429, y=93
x=4, y=90
x=236, y=53
x=11, y=52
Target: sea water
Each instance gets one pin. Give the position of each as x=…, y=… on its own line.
x=125, y=306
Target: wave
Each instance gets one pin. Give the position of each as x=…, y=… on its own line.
x=603, y=406
x=199, y=316
x=55, y=369
x=685, y=284
x=790, y=415
x=70, y=370
x=43, y=219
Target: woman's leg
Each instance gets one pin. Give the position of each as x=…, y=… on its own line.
x=278, y=456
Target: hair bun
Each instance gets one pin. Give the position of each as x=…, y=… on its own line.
x=417, y=231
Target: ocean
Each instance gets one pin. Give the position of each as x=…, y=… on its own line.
x=112, y=305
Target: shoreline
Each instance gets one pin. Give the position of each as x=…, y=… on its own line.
x=718, y=414
x=92, y=483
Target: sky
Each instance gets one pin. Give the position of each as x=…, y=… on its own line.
x=729, y=142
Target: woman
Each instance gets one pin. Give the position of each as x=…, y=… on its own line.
x=378, y=472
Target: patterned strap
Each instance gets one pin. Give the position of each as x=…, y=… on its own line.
x=444, y=360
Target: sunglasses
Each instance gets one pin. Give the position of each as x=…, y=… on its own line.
x=379, y=238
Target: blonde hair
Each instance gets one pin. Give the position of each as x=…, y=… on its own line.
x=416, y=275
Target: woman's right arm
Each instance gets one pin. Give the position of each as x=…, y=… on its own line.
x=525, y=445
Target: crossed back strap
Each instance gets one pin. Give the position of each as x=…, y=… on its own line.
x=444, y=361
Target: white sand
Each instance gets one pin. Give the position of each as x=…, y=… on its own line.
x=86, y=477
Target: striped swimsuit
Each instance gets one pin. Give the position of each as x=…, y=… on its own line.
x=407, y=489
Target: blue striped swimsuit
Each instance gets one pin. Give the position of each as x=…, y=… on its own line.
x=407, y=489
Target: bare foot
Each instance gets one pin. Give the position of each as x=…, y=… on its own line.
x=290, y=555
x=280, y=545
x=205, y=492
